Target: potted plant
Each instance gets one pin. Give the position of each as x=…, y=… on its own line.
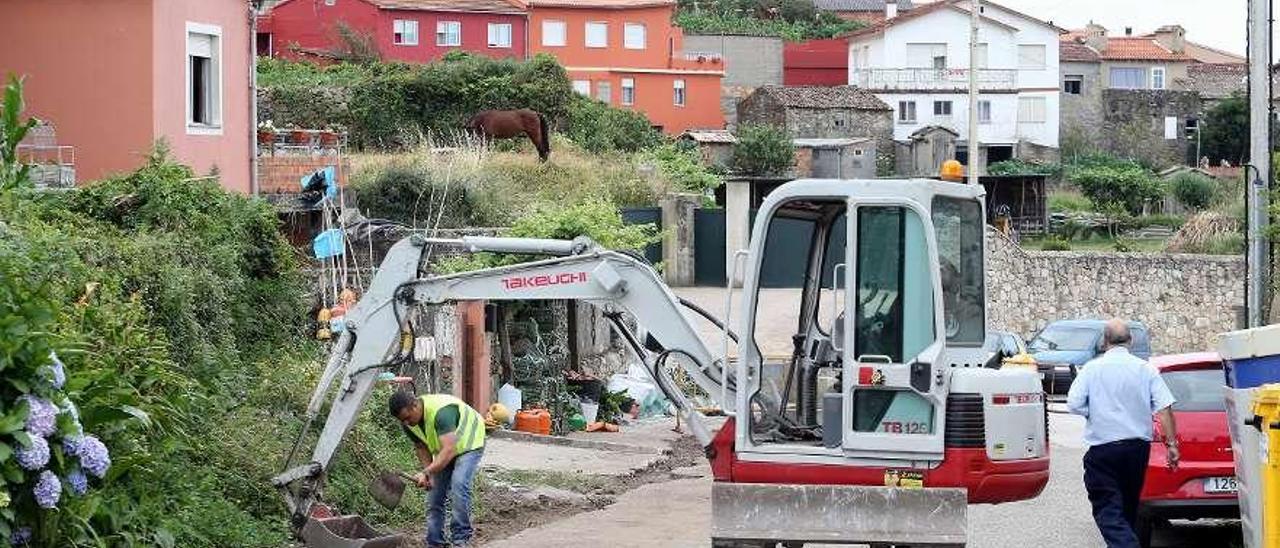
x=266, y=133
x=300, y=136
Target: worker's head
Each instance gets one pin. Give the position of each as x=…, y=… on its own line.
x=1116, y=333
x=406, y=407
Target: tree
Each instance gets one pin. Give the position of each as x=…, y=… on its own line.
x=763, y=150
x=1224, y=134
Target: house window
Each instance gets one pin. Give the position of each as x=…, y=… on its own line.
x=932, y=56
x=405, y=33
x=1031, y=56
x=1031, y=110
x=597, y=34
x=1073, y=84
x=942, y=108
x=204, y=78
x=553, y=33
x=582, y=86
x=628, y=91
x=499, y=35
x=982, y=56
x=984, y=112
x=1157, y=78
x=907, y=112
x=1128, y=78
x=633, y=36
x=678, y=89
x=448, y=33
x=604, y=92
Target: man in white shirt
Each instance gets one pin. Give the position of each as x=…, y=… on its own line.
x=1117, y=393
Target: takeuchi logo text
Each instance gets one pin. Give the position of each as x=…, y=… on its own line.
x=543, y=280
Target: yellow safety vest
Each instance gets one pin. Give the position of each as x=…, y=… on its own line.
x=470, y=430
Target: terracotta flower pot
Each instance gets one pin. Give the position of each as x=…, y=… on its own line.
x=266, y=137
x=300, y=137
x=329, y=139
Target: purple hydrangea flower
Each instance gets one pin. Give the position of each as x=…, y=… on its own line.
x=71, y=444
x=47, y=490
x=56, y=372
x=34, y=457
x=42, y=417
x=77, y=481
x=20, y=536
x=94, y=457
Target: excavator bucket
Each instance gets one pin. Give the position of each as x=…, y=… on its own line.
x=347, y=532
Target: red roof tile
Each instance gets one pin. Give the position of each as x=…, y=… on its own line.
x=1130, y=48
x=1074, y=51
x=465, y=6
x=601, y=4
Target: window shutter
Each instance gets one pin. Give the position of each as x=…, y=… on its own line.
x=200, y=45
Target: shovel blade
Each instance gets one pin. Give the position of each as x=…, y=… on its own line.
x=387, y=489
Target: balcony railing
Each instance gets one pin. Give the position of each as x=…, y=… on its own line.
x=927, y=79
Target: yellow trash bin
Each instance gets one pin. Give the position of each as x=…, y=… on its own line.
x=1266, y=411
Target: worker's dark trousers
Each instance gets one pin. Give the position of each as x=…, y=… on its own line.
x=1113, y=475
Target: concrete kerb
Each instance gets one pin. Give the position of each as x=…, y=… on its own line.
x=575, y=442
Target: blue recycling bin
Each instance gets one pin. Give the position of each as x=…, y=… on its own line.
x=1251, y=357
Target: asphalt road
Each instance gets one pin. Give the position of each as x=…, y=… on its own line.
x=1060, y=516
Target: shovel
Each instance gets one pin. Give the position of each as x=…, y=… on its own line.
x=388, y=488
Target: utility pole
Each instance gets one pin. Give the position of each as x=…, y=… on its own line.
x=1258, y=175
x=975, y=6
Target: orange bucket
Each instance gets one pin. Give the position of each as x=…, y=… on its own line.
x=535, y=421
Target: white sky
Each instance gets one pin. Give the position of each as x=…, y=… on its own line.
x=1215, y=23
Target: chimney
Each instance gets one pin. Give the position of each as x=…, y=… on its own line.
x=1173, y=37
x=890, y=9
x=1095, y=36
x=1128, y=31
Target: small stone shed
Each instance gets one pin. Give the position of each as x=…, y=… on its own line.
x=715, y=146
x=847, y=158
x=815, y=112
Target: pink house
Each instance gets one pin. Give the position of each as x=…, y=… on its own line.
x=403, y=30
x=114, y=77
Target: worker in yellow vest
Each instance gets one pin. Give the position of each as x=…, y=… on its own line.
x=448, y=436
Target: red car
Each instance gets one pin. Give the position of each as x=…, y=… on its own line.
x=1204, y=484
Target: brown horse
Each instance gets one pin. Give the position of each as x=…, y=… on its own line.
x=504, y=124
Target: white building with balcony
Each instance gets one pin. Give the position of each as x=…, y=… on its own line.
x=918, y=63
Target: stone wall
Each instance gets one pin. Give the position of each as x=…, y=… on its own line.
x=1081, y=115
x=1186, y=300
x=805, y=123
x=1134, y=123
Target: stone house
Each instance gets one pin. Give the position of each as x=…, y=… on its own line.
x=811, y=112
x=1135, y=95
x=1215, y=81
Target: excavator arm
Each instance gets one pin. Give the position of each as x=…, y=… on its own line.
x=579, y=270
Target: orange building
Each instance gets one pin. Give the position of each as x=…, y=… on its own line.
x=627, y=53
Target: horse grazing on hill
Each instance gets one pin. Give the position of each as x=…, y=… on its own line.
x=505, y=124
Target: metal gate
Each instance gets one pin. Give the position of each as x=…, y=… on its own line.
x=642, y=215
x=708, y=251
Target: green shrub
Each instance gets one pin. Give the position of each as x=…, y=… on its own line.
x=1069, y=202
x=793, y=20
x=597, y=127
x=684, y=169
x=1193, y=190
x=1126, y=188
x=1055, y=243
x=763, y=150
x=1021, y=167
x=422, y=197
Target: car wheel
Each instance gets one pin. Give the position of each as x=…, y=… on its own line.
x=1146, y=527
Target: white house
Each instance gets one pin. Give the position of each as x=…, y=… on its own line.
x=918, y=63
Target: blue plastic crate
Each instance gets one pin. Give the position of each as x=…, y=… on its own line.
x=1251, y=357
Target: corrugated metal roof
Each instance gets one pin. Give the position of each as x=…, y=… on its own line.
x=478, y=6
x=710, y=136
x=824, y=97
x=828, y=143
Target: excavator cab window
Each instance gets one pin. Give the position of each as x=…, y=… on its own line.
x=957, y=226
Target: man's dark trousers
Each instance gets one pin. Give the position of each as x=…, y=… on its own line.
x=1113, y=475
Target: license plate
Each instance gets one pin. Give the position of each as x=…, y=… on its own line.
x=1223, y=484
